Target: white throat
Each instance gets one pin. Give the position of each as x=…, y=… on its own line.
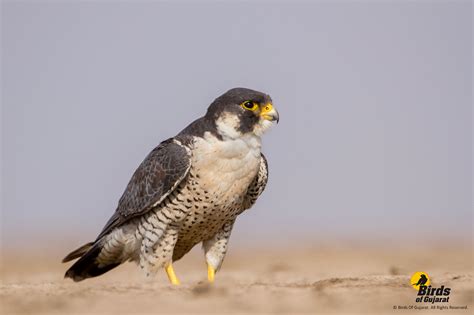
x=227, y=127
x=229, y=162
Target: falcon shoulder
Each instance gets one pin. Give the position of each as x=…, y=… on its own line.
x=257, y=186
x=158, y=175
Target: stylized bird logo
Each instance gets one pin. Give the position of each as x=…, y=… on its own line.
x=422, y=281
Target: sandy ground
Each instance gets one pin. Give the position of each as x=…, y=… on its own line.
x=323, y=279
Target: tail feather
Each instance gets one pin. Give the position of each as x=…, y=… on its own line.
x=87, y=266
x=78, y=252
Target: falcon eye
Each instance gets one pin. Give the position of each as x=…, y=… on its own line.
x=249, y=105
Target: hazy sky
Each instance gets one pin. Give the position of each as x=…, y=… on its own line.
x=374, y=140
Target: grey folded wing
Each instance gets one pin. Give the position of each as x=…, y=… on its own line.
x=156, y=177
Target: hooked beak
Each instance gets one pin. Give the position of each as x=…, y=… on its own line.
x=268, y=112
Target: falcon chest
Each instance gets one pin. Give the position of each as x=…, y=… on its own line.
x=225, y=168
x=220, y=174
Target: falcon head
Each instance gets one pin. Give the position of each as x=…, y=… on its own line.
x=241, y=111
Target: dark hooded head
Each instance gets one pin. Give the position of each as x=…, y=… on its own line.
x=236, y=113
x=241, y=111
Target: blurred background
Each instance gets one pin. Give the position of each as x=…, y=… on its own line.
x=374, y=143
x=370, y=165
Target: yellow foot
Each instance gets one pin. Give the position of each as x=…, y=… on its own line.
x=171, y=275
x=211, y=273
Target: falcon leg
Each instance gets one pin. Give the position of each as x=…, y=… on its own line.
x=215, y=249
x=211, y=273
x=171, y=275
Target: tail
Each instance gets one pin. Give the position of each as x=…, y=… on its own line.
x=78, y=252
x=86, y=266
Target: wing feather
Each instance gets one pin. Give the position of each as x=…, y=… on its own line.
x=156, y=177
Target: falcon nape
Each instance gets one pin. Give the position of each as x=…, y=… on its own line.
x=189, y=189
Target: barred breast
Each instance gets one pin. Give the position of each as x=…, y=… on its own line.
x=221, y=173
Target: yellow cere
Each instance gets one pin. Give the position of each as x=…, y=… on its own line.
x=267, y=108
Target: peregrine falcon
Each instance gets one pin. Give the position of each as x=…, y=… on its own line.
x=188, y=190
